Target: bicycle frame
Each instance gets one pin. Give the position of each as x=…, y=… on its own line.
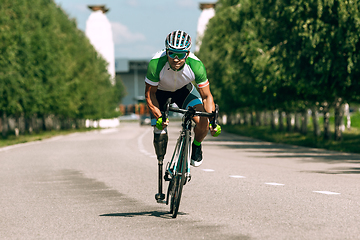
x=178, y=169
x=184, y=139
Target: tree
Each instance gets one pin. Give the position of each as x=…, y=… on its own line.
x=49, y=66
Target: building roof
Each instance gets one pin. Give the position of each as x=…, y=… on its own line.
x=99, y=7
x=207, y=5
x=123, y=65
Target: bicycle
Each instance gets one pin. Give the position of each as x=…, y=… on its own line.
x=178, y=168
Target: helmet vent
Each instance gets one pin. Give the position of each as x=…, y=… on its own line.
x=178, y=40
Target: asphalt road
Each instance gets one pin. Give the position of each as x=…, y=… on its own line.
x=101, y=185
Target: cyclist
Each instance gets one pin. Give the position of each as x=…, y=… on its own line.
x=170, y=73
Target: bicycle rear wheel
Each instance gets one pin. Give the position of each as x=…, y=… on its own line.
x=180, y=178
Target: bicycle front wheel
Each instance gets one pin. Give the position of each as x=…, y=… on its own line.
x=180, y=178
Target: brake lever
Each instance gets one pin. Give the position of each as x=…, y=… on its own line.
x=165, y=114
x=214, y=122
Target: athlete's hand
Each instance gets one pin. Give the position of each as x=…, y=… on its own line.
x=160, y=124
x=215, y=132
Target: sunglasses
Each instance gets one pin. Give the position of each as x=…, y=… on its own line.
x=180, y=55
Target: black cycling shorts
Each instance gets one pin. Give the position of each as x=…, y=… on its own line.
x=184, y=97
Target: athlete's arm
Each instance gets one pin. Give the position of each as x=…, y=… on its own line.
x=152, y=102
x=209, y=106
x=207, y=98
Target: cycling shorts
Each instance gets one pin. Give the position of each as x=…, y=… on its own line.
x=184, y=97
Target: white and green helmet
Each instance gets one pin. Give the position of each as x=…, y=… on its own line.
x=178, y=41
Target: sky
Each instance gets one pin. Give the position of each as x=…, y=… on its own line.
x=140, y=26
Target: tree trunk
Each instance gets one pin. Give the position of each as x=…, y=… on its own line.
x=257, y=118
x=233, y=119
x=339, y=119
x=22, y=124
x=230, y=119
x=265, y=118
x=80, y=123
x=241, y=118
x=281, y=121
x=35, y=123
x=304, y=122
x=273, y=120
x=315, y=118
x=28, y=126
x=44, y=125
x=252, y=118
x=326, y=122
x=246, y=118
x=5, y=125
x=297, y=126
x=289, y=127
x=63, y=123
x=238, y=118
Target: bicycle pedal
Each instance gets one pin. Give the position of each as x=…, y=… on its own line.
x=161, y=201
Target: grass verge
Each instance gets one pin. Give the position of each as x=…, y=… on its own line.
x=12, y=139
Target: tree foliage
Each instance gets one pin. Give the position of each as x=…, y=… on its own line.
x=283, y=54
x=48, y=66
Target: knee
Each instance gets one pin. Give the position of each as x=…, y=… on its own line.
x=203, y=124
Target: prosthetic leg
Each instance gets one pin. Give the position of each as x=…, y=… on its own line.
x=160, y=144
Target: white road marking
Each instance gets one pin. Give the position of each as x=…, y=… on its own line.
x=208, y=170
x=275, y=184
x=141, y=145
x=236, y=176
x=327, y=192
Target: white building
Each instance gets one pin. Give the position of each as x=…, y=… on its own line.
x=98, y=30
x=208, y=11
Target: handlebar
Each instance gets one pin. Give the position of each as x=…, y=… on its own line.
x=191, y=111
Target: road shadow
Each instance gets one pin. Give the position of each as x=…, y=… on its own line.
x=181, y=225
x=160, y=214
x=284, y=151
x=74, y=183
x=338, y=171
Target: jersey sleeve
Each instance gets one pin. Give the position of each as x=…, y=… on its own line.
x=152, y=77
x=154, y=68
x=199, y=70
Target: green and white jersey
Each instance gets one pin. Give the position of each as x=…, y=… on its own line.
x=160, y=74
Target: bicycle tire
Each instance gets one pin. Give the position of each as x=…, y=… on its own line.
x=175, y=155
x=171, y=183
x=174, y=187
x=180, y=178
